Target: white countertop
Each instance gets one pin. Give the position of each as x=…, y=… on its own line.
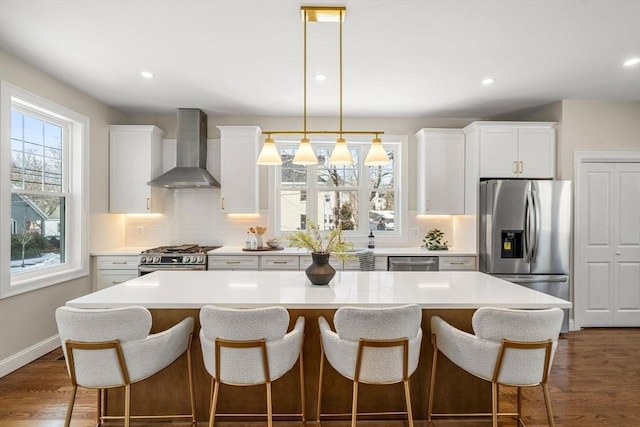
x=409, y=251
x=291, y=289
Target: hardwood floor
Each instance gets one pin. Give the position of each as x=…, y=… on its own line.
x=595, y=381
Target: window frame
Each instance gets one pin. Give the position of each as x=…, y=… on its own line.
x=400, y=143
x=75, y=190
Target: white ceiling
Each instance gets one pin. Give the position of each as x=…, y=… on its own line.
x=401, y=58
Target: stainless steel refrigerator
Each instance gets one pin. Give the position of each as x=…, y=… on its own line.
x=525, y=234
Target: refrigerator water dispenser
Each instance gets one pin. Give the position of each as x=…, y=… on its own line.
x=511, y=244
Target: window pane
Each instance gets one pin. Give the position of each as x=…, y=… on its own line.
x=37, y=237
x=52, y=135
x=380, y=177
x=33, y=130
x=293, y=206
x=36, y=161
x=291, y=175
x=16, y=125
x=338, y=207
x=381, y=210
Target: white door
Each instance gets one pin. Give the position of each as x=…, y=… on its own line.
x=608, y=266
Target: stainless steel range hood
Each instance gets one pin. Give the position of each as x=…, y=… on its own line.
x=190, y=170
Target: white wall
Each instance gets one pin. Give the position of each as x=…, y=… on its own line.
x=27, y=320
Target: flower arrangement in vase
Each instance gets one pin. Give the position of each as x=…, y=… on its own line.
x=322, y=246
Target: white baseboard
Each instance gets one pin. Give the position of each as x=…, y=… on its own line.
x=28, y=355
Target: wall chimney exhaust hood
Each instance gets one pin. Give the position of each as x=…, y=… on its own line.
x=191, y=144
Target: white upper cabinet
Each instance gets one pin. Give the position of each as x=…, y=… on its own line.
x=135, y=157
x=516, y=149
x=239, y=183
x=440, y=171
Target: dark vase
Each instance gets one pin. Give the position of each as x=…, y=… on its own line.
x=320, y=272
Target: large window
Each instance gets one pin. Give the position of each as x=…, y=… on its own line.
x=43, y=156
x=360, y=198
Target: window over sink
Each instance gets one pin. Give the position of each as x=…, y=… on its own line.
x=359, y=197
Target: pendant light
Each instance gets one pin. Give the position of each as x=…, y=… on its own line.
x=305, y=154
x=341, y=156
x=377, y=154
x=269, y=154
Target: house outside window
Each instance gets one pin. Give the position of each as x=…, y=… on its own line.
x=44, y=151
x=359, y=198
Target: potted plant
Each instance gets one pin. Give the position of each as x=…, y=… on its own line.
x=434, y=240
x=320, y=272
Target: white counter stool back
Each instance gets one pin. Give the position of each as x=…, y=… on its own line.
x=244, y=347
x=372, y=346
x=510, y=347
x=108, y=348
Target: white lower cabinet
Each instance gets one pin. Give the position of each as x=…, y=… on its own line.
x=285, y=262
x=240, y=262
x=114, y=269
x=453, y=263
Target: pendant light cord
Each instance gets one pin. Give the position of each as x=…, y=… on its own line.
x=341, y=18
x=306, y=18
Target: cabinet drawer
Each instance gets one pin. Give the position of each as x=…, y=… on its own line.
x=123, y=262
x=108, y=278
x=249, y=262
x=457, y=263
x=279, y=262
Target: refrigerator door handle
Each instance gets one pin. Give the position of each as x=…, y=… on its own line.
x=528, y=218
x=536, y=221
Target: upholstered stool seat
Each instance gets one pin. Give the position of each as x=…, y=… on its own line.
x=107, y=348
x=510, y=347
x=244, y=347
x=372, y=346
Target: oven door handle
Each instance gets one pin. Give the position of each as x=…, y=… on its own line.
x=144, y=270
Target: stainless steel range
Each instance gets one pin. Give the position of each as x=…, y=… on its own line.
x=189, y=257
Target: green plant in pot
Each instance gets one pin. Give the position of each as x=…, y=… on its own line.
x=322, y=246
x=434, y=240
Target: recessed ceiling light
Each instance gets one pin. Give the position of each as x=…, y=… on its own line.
x=631, y=61
x=488, y=81
x=146, y=75
x=321, y=77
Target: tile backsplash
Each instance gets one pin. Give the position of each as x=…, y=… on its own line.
x=194, y=216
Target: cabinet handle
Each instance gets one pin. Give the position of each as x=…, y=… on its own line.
x=428, y=203
x=521, y=166
x=233, y=262
x=148, y=203
x=456, y=262
x=115, y=282
x=222, y=203
x=515, y=167
x=119, y=262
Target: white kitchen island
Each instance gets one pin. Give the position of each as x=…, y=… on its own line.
x=454, y=296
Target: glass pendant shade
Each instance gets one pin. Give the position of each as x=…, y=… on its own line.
x=269, y=154
x=341, y=156
x=305, y=154
x=377, y=155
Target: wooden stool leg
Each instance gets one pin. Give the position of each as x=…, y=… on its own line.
x=547, y=402
x=407, y=395
x=72, y=400
x=354, y=404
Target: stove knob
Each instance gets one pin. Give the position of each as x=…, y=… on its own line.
x=196, y=260
x=201, y=260
x=156, y=259
x=143, y=259
x=187, y=259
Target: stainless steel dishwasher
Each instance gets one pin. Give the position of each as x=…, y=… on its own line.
x=412, y=263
